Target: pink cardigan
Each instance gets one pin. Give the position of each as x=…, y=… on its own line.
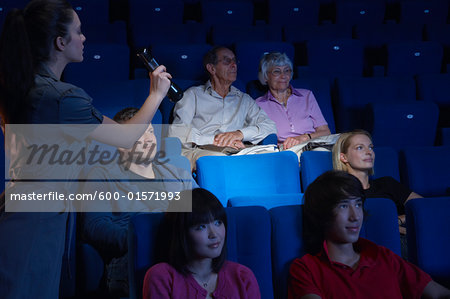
x=234, y=281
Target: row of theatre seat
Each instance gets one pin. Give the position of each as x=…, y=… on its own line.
x=268, y=240
x=264, y=198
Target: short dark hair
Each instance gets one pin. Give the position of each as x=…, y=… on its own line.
x=205, y=208
x=321, y=197
x=210, y=57
x=125, y=114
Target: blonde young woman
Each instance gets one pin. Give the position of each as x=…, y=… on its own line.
x=354, y=153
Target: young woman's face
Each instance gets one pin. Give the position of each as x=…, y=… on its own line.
x=360, y=154
x=207, y=239
x=74, y=41
x=347, y=222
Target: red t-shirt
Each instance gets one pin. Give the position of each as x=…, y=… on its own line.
x=380, y=274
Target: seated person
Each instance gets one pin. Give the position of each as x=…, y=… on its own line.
x=197, y=265
x=340, y=264
x=295, y=111
x=107, y=231
x=218, y=113
x=354, y=153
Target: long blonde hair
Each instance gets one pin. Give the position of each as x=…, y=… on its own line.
x=342, y=145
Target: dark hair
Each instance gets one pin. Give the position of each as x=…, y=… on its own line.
x=125, y=114
x=211, y=56
x=321, y=197
x=205, y=208
x=25, y=42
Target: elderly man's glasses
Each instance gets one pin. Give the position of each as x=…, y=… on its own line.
x=228, y=60
x=278, y=72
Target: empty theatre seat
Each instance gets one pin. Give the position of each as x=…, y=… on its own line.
x=91, y=12
x=287, y=235
x=227, y=12
x=400, y=124
x=228, y=35
x=262, y=174
x=414, y=58
x=423, y=12
x=354, y=93
x=425, y=170
x=335, y=57
x=293, y=13
x=428, y=227
x=267, y=201
x=436, y=88
x=246, y=244
x=360, y=12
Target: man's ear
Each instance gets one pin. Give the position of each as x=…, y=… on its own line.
x=211, y=68
x=60, y=43
x=343, y=158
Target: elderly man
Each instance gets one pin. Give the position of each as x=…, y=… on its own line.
x=218, y=113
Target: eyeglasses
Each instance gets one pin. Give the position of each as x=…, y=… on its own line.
x=278, y=72
x=228, y=60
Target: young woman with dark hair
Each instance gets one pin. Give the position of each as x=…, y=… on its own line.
x=197, y=266
x=36, y=44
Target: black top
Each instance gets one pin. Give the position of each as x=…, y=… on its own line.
x=388, y=187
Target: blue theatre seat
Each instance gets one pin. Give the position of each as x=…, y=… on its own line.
x=428, y=227
x=261, y=174
x=380, y=226
x=267, y=201
x=246, y=244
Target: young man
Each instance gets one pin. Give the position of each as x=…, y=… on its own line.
x=340, y=264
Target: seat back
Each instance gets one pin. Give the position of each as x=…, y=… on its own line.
x=293, y=13
x=428, y=227
x=246, y=244
x=360, y=12
x=425, y=170
x=414, y=58
x=92, y=13
x=314, y=163
x=380, y=226
x=423, y=12
x=227, y=12
x=399, y=124
x=230, y=176
x=354, y=93
x=266, y=201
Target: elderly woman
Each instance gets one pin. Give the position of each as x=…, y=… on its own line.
x=295, y=111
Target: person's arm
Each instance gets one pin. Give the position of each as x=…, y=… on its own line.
x=321, y=131
x=126, y=136
x=413, y=195
x=433, y=290
x=158, y=283
x=257, y=124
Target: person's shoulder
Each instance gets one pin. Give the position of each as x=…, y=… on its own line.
x=233, y=268
x=161, y=269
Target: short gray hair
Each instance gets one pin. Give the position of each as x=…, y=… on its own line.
x=268, y=61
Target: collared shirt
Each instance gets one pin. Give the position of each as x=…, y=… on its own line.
x=56, y=102
x=380, y=274
x=234, y=281
x=202, y=113
x=301, y=115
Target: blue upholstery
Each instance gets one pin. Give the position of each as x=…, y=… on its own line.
x=423, y=12
x=356, y=92
x=267, y=201
x=246, y=244
x=227, y=35
x=107, y=33
x=360, y=12
x=145, y=36
x=436, y=88
x=399, y=124
x=91, y=12
x=227, y=12
x=445, y=136
x=335, y=57
x=90, y=268
x=103, y=64
x=438, y=33
x=262, y=174
x=270, y=139
x=426, y=170
x=314, y=163
x=249, y=54
x=293, y=13
x=414, y=58
x=428, y=227
x=380, y=226
x=146, y=13
x=183, y=61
